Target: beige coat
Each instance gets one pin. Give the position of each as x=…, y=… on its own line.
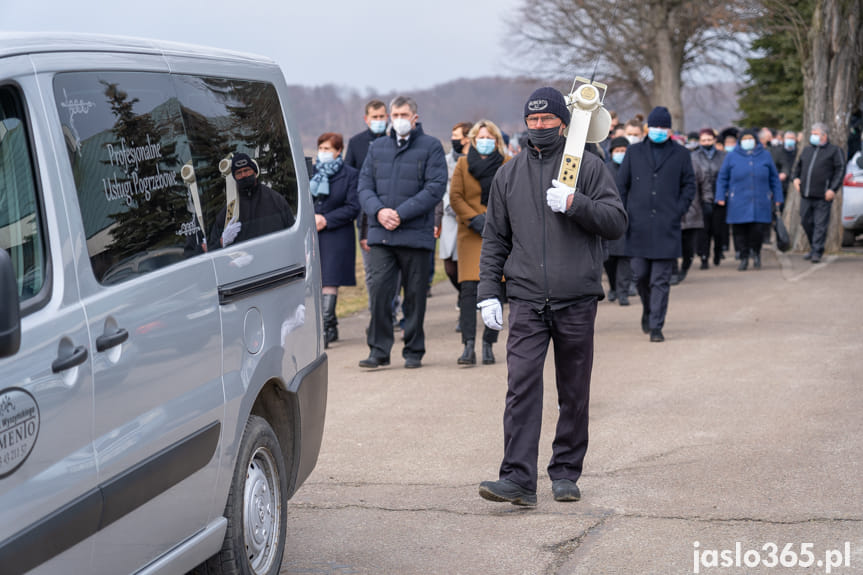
x=464, y=196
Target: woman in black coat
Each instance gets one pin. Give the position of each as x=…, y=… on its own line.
x=334, y=191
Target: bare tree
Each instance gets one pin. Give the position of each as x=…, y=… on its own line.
x=828, y=35
x=646, y=48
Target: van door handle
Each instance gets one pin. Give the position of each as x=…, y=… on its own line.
x=109, y=340
x=77, y=357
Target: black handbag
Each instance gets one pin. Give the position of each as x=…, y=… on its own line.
x=783, y=242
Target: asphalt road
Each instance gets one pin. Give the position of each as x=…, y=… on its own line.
x=741, y=432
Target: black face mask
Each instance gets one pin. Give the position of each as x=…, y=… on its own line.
x=708, y=148
x=544, y=138
x=457, y=146
x=247, y=184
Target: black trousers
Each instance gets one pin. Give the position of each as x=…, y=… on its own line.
x=467, y=314
x=385, y=263
x=687, y=245
x=619, y=274
x=571, y=331
x=748, y=238
x=653, y=283
x=715, y=230
x=815, y=218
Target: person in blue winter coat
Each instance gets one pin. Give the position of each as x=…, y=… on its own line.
x=402, y=180
x=334, y=192
x=748, y=183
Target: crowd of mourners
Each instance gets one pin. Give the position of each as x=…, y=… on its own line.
x=397, y=184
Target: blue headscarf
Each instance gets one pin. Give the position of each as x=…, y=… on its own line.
x=320, y=183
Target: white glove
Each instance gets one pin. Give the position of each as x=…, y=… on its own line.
x=492, y=313
x=230, y=232
x=557, y=196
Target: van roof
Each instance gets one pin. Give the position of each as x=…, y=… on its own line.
x=19, y=43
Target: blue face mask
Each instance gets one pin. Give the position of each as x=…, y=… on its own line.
x=815, y=140
x=730, y=148
x=617, y=157
x=657, y=135
x=378, y=126
x=747, y=145
x=790, y=144
x=485, y=146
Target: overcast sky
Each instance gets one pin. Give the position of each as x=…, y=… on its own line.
x=378, y=44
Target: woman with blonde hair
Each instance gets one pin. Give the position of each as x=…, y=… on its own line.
x=471, y=182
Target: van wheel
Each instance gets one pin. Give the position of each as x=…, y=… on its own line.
x=848, y=237
x=256, y=509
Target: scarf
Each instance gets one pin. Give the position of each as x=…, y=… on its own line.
x=483, y=170
x=320, y=182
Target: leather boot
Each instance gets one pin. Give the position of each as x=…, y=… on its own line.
x=744, y=263
x=468, y=356
x=756, y=260
x=487, y=353
x=331, y=329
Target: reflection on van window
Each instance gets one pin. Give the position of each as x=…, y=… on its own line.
x=146, y=150
x=20, y=226
x=224, y=118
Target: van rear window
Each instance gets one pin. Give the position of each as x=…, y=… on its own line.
x=145, y=150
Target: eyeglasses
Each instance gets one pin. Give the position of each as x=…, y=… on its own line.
x=548, y=120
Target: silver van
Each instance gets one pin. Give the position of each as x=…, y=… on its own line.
x=162, y=376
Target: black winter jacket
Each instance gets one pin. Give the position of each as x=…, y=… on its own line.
x=820, y=168
x=656, y=195
x=411, y=180
x=548, y=258
x=262, y=212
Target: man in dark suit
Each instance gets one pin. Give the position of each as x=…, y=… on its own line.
x=656, y=183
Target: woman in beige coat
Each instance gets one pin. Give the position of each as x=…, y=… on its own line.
x=471, y=182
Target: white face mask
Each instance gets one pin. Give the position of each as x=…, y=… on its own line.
x=402, y=126
x=324, y=157
x=633, y=139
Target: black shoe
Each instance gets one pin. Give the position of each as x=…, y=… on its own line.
x=623, y=300
x=808, y=256
x=504, y=490
x=675, y=279
x=816, y=258
x=413, y=363
x=645, y=322
x=372, y=361
x=656, y=336
x=756, y=261
x=468, y=356
x=682, y=275
x=612, y=295
x=704, y=264
x=744, y=263
x=565, y=490
x=633, y=291
x=716, y=260
x=487, y=353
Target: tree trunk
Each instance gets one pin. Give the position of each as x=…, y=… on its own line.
x=830, y=71
x=667, y=65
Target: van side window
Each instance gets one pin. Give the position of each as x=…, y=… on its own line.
x=125, y=137
x=224, y=117
x=21, y=232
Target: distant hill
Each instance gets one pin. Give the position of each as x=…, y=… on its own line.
x=330, y=108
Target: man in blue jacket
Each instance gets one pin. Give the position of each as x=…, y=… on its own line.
x=402, y=180
x=656, y=183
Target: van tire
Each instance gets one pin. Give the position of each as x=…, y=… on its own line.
x=257, y=514
x=848, y=238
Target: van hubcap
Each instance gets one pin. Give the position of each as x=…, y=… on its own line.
x=261, y=510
